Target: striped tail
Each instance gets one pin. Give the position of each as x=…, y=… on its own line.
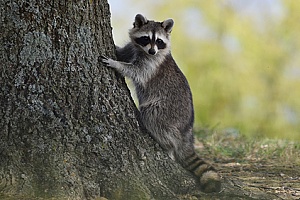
x=210, y=180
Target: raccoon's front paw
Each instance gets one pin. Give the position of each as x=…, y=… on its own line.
x=118, y=66
x=106, y=61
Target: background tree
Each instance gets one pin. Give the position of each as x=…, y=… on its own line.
x=243, y=69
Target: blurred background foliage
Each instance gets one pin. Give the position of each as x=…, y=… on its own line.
x=241, y=58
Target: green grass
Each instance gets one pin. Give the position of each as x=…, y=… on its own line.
x=230, y=146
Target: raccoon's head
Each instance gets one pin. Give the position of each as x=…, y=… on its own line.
x=152, y=37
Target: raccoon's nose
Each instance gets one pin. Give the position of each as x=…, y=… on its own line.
x=151, y=51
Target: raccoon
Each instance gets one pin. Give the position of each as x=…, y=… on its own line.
x=164, y=96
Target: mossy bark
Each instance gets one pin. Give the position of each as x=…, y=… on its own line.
x=68, y=125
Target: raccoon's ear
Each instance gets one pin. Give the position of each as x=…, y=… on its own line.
x=168, y=25
x=139, y=21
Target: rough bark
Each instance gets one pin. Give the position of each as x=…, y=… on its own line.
x=68, y=126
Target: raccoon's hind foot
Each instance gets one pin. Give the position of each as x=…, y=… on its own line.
x=210, y=181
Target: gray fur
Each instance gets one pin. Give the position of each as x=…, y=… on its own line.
x=164, y=95
x=139, y=21
x=168, y=24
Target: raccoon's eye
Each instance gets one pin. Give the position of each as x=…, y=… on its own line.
x=160, y=44
x=159, y=41
x=143, y=41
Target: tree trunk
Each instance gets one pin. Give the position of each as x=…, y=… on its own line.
x=68, y=125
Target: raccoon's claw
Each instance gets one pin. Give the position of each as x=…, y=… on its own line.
x=104, y=60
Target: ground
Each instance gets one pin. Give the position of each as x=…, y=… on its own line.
x=252, y=168
x=281, y=181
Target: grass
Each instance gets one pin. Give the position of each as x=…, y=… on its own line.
x=230, y=146
x=256, y=167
